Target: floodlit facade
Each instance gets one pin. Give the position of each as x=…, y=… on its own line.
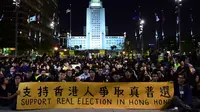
x=96, y=31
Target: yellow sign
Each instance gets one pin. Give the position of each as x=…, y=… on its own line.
x=62, y=53
x=102, y=52
x=12, y=49
x=130, y=56
x=42, y=95
x=95, y=55
x=71, y=52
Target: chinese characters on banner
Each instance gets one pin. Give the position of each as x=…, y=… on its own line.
x=95, y=95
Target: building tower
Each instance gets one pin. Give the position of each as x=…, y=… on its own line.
x=95, y=25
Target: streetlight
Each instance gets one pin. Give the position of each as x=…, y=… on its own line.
x=52, y=25
x=56, y=48
x=178, y=8
x=142, y=22
x=124, y=34
x=17, y=5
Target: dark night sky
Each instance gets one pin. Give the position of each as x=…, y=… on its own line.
x=119, y=16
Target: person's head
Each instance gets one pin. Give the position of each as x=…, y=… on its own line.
x=1, y=72
x=148, y=67
x=66, y=64
x=4, y=80
x=12, y=69
x=18, y=79
x=143, y=64
x=77, y=69
x=22, y=64
x=161, y=68
x=128, y=74
x=118, y=66
x=69, y=73
x=37, y=72
x=145, y=68
x=171, y=67
x=43, y=72
x=116, y=77
x=141, y=68
x=86, y=70
x=197, y=78
x=90, y=65
x=100, y=71
x=43, y=67
x=113, y=69
x=155, y=77
x=14, y=64
x=181, y=78
x=107, y=66
x=62, y=75
x=92, y=73
x=136, y=65
x=182, y=63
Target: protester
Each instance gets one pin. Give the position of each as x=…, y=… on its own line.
x=62, y=76
x=182, y=94
x=92, y=77
x=7, y=95
x=83, y=76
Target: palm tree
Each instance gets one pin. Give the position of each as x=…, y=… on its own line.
x=115, y=47
x=112, y=48
x=76, y=47
x=121, y=46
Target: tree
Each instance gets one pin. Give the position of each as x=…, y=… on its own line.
x=76, y=47
x=127, y=46
x=121, y=46
x=113, y=47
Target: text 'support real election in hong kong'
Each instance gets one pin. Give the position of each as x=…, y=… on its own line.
x=95, y=95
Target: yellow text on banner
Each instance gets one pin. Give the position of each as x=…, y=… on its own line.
x=136, y=95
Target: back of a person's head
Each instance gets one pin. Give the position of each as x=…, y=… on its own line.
x=77, y=67
x=130, y=70
x=184, y=74
x=62, y=71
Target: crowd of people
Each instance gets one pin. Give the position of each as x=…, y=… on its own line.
x=176, y=69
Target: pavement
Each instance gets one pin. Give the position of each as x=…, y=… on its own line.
x=81, y=110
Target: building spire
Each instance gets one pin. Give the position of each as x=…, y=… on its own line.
x=95, y=1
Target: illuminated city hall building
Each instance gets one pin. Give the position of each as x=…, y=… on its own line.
x=95, y=32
